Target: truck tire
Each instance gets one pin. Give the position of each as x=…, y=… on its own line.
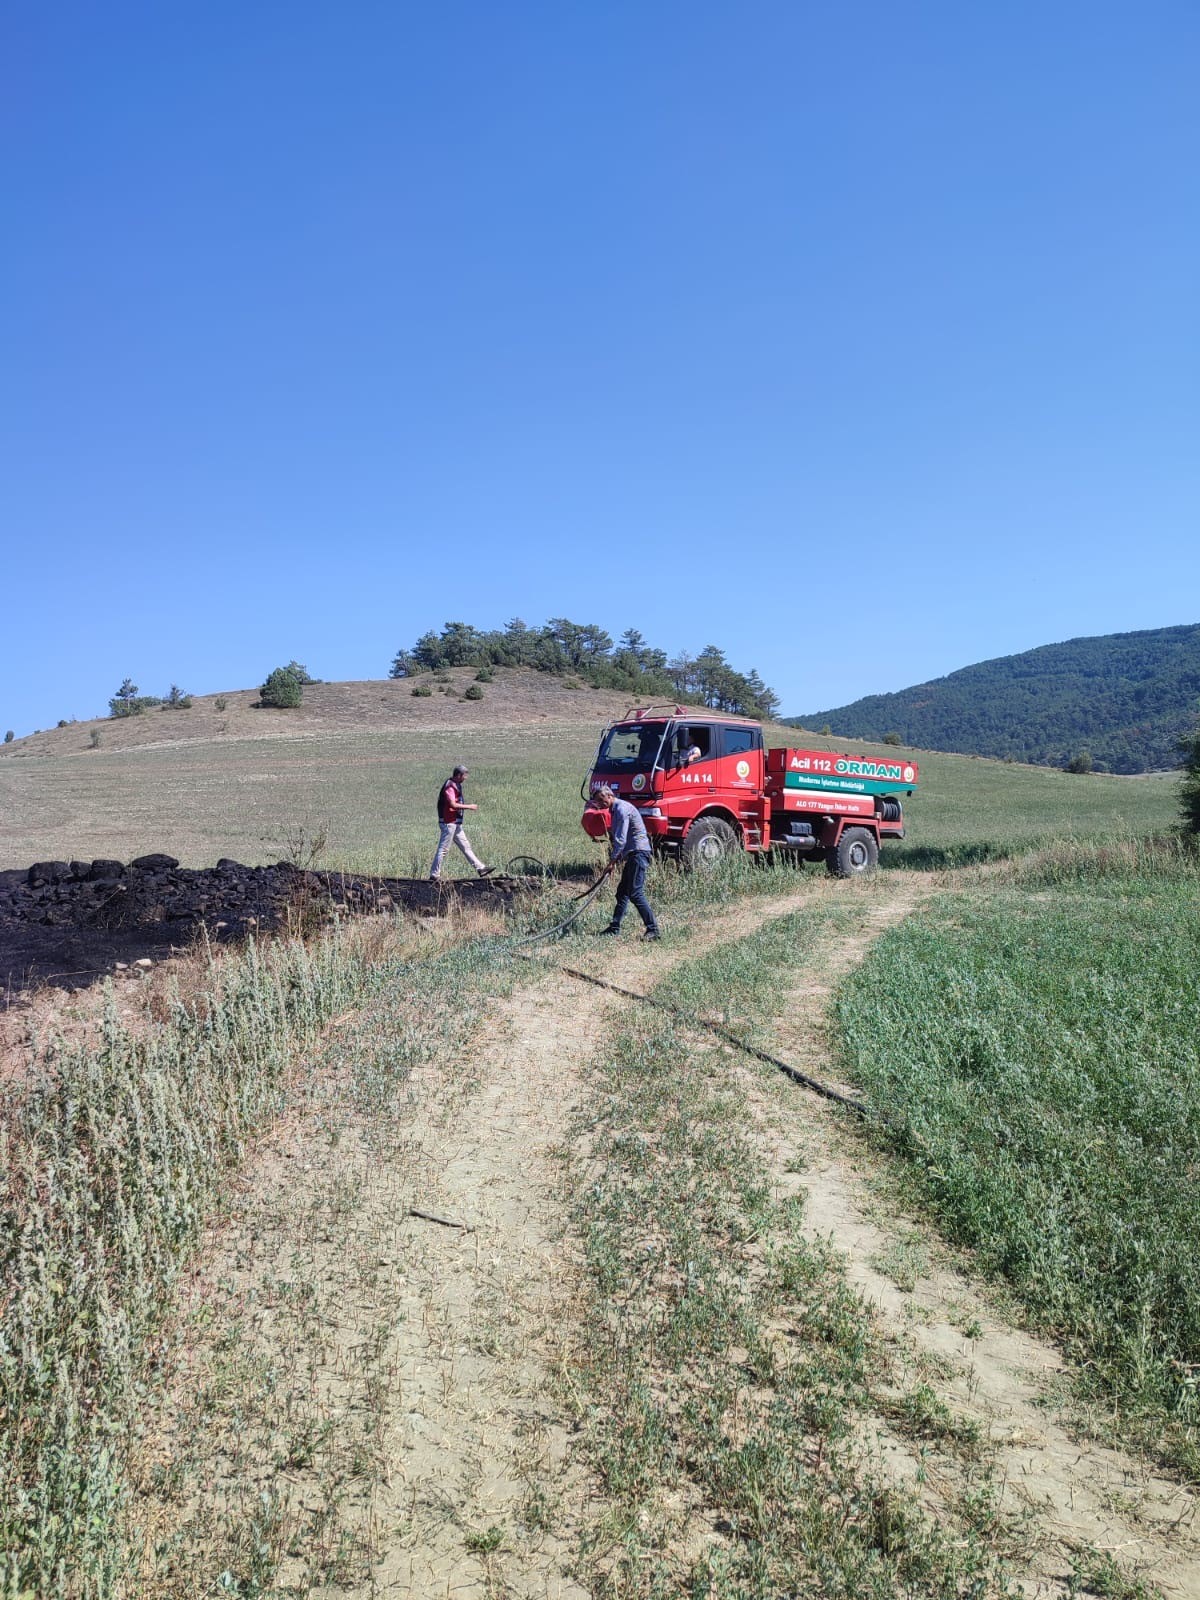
x=856, y=852
x=707, y=843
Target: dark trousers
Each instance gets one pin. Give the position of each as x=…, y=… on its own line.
x=633, y=887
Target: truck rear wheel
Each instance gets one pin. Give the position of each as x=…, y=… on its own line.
x=856, y=852
x=707, y=843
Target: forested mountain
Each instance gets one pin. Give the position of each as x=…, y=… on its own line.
x=1124, y=698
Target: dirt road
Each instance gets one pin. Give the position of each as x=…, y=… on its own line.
x=411, y=1436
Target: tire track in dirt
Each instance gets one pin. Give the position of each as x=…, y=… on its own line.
x=1078, y=1493
x=481, y=1443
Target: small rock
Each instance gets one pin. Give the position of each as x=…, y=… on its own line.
x=120, y=966
x=144, y=962
x=156, y=862
x=107, y=870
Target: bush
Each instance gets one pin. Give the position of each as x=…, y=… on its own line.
x=175, y=696
x=473, y=692
x=9, y=736
x=94, y=739
x=282, y=689
x=62, y=722
x=127, y=702
x=1080, y=763
x=892, y=738
x=484, y=675
x=220, y=703
x=422, y=691
x=300, y=671
x=1189, y=789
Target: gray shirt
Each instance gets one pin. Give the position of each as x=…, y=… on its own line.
x=628, y=831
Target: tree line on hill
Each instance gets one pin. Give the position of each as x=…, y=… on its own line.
x=1116, y=702
x=584, y=650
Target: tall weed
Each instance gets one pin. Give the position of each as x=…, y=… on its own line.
x=111, y=1154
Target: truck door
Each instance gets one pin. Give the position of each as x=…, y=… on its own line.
x=695, y=748
x=741, y=758
x=741, y=780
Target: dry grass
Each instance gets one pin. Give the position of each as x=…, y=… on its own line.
x=517, y=697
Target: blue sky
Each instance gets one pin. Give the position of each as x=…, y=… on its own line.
x=859, y=340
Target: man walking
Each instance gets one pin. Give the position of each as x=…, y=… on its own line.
x=631, y=846
x=451, y=808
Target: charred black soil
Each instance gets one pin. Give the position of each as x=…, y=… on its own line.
x=70, y=923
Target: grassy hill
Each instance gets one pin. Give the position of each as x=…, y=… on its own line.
x=1125, y=698
x=364, y=761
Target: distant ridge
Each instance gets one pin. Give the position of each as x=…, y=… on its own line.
x=1124, y=698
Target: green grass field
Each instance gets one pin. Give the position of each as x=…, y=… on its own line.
x=1032, y=1047
x=243, y=793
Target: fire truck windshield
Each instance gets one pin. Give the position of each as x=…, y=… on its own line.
x=630, y=747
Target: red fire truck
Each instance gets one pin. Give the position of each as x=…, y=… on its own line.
x=705, y=786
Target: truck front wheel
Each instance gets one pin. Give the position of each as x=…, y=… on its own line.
x=707, y=843
x=856, y=852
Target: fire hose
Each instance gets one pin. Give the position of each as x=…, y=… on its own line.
x=582, y=902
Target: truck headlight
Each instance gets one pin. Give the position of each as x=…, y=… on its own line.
x=651, y=811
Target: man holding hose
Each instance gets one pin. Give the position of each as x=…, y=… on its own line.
x=631, y=849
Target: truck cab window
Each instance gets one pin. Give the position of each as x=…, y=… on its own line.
x=689, y=741
x=737, y=741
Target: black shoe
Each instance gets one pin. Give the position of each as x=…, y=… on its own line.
x=611, y=929
x=652, y=933
x=486, y=872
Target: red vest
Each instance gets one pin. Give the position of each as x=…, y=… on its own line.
x=450, y=802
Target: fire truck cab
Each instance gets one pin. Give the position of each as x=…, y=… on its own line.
x=697, y=778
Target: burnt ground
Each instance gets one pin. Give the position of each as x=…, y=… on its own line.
x=70, y=923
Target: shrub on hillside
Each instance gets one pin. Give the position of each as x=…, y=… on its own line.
x=1080, y=763
x=175, y=696
x=892, y=738
x=484, y=675
x=127, y=702
x=1189, y=789
x=282, y=689
x=473, y=692
x=220, y=703
x=300, y=671
x=9, y=736
x=422, y=691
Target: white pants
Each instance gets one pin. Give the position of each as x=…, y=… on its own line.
x=453, y=831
